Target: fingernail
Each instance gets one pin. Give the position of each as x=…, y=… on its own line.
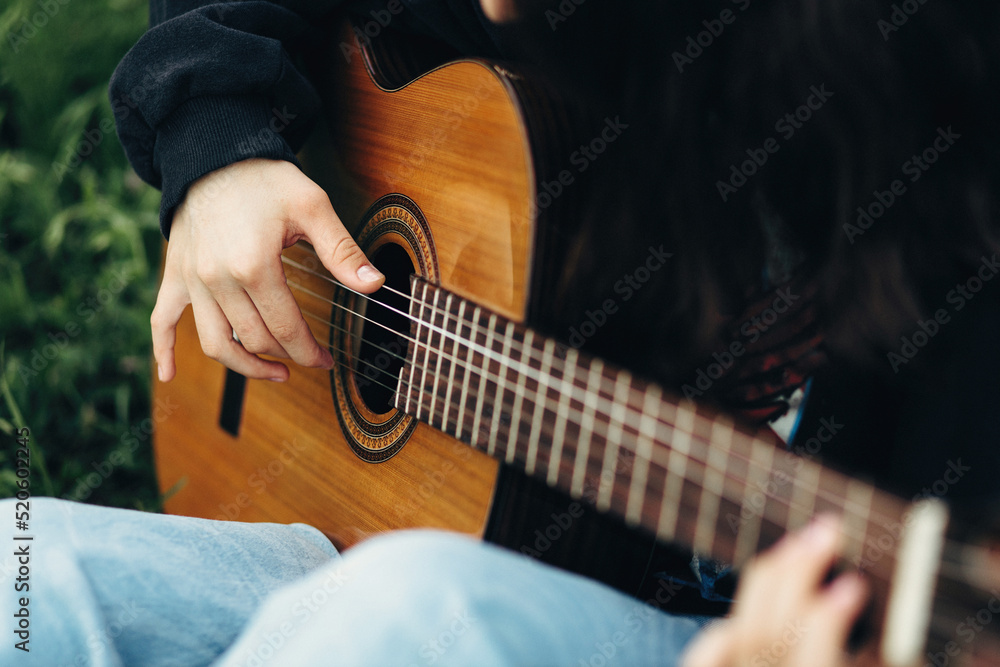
x=276, y=379
x=822, y=531
x=159, y=372
x=368, y=274
x=846, y=589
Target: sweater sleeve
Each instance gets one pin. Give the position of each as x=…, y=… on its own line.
x=209, y=85
x=212, y=84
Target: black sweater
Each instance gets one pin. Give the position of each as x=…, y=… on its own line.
x=212, y=84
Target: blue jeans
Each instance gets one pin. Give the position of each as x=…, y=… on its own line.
x=118, y=587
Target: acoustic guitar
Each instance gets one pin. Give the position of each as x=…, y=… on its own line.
x=440, y=384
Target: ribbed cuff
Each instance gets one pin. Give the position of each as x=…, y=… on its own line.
x=208, y=133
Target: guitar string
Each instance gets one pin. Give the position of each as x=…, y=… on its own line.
x=500, y=359
x=331, y=348
x=517, y=347
x=949, y=570
x=778, y=527
x=705, y=467
x=485, y=373
x=952, y=563
x=474, y=347
x=592, y=462
x=868, y=515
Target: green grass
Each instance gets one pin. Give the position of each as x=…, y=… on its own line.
x=79, y=249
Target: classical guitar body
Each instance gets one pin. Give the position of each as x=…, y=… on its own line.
x=454, y=143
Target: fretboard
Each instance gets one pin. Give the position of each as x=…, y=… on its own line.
x=682, y=471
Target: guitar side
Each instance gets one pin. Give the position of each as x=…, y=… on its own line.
x=453, y=141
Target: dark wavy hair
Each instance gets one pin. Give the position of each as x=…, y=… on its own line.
x=695, y=111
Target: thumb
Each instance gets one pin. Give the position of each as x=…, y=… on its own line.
x=339, y=253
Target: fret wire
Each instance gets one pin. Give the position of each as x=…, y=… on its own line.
x=428, y=346
x=857, y=524
x=586, y=436
x=709, y=502
x=677, y=459
x=467, y=371
x=562, y=415
x=541, y=391
x=748, y=535
x=612, y=442
x=643, y=455
x=411, y=367
x=440, y=359
x=477, y=419
x=499, y=400
x=519, y=389
x=453, y=365
x=808, y=489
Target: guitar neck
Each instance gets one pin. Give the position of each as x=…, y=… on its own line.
x=677, y=469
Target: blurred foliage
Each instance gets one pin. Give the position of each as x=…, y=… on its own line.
x=79, y=249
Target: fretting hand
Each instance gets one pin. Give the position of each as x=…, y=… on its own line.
x=783, y=615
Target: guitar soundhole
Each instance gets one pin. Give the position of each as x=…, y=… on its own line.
x=371, y=335
x=381, y=347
